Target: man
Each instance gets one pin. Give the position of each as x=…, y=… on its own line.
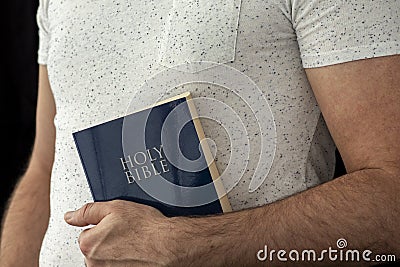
x=95, y=55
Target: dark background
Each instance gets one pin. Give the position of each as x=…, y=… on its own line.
x=18, y=89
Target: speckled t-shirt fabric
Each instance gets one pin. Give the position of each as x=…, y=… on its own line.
x=99, y=53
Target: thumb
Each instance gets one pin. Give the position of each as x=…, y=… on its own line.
x=90, y=213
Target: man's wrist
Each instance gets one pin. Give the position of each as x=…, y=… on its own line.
x=190, y=239
x=201, y=240
x=231, y=239
x=179, y=240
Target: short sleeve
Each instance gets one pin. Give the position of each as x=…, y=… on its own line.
x=44, y=33
x=336, y=31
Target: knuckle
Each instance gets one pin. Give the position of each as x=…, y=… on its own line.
x=86, y=210
x=85, y=246
x=89, y=245
x=86, y=243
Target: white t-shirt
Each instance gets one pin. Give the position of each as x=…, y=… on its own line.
x=100, y=53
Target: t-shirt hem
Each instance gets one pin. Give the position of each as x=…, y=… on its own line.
x=42, y=59
x=350, y=54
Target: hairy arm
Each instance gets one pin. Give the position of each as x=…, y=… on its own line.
x=360, y=102
x=27, y=217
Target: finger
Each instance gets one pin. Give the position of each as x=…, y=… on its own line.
x=90, y=213
x=84, y=241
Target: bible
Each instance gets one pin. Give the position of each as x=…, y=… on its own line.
x=157, y=156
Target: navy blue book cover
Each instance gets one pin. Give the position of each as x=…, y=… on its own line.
x=134, y=158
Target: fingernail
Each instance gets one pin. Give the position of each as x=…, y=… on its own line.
x=68, y=215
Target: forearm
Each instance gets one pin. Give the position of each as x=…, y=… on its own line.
x=361, y=207
x=26, y=221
